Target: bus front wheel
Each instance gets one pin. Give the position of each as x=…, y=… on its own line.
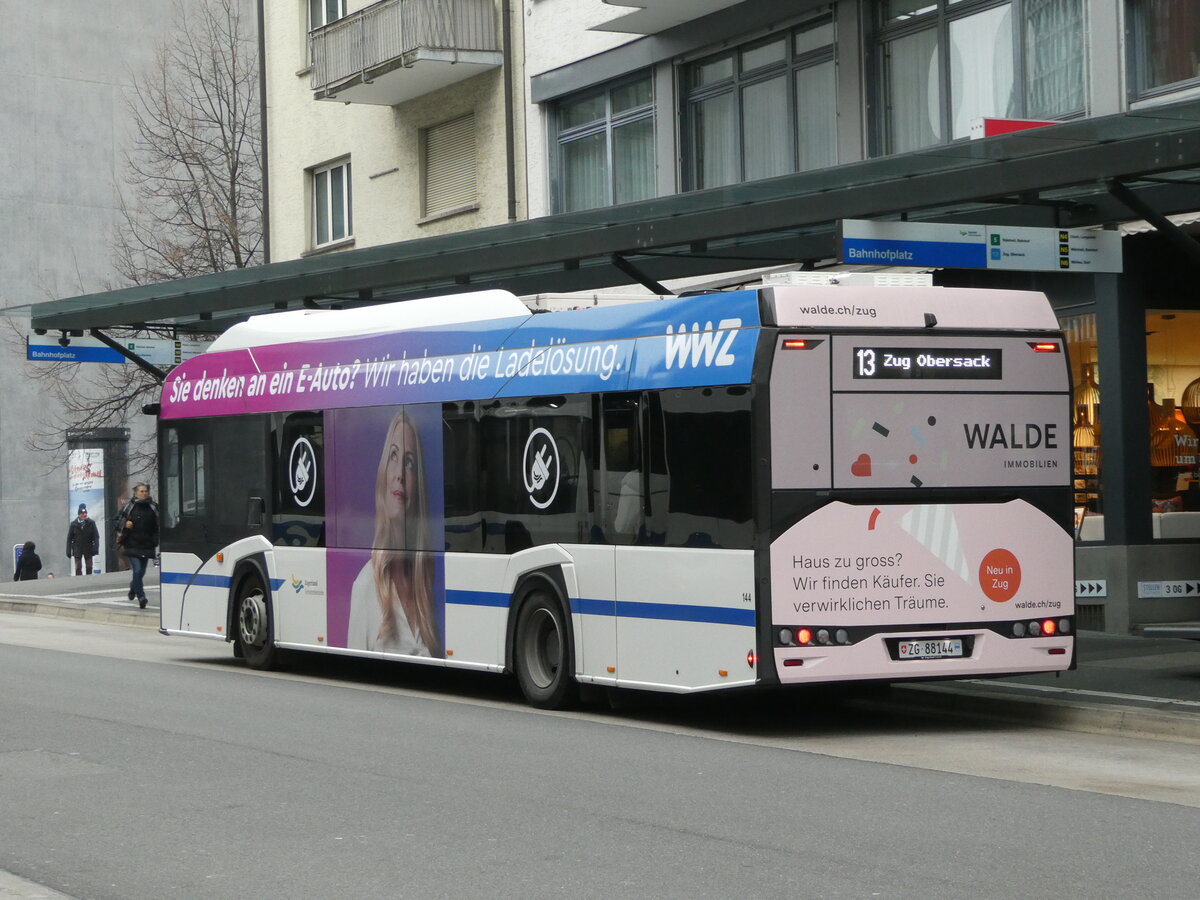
x=542, y=653
x=255, y=632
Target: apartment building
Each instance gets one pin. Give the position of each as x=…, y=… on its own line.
x=388, y=121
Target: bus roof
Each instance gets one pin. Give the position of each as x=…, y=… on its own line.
x=319, y=324
x=488, y=345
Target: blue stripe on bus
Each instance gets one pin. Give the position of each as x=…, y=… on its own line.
x=673, y=612
x=715, y=615
x=477, y=598
x=198, y=580
x=586, y=606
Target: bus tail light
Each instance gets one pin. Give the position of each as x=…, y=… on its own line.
x=1041, y=628
x=803, y=637
x=796, y=344
x=1045, y=347
x=751, y=658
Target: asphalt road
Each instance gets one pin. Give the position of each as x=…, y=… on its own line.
x=138, y=766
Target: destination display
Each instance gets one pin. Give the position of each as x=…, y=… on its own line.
x=926, y=362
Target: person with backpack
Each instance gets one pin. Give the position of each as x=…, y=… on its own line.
x=83, y=540
x=137, y=537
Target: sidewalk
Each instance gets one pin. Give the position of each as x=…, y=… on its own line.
x=1124, y=685
x=93, y=598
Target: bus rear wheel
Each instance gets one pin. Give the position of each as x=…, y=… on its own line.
x=542, y=653
x=255, y=632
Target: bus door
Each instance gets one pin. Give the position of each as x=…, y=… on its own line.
x=215, y=476
x=617, y=520
x=296, y=524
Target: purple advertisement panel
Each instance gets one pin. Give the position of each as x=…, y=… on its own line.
x=385, y=530
x=697, y=341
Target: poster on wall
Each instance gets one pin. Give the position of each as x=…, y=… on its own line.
x=85, y=487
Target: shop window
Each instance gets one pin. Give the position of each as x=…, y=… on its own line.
x=763, y=109
x=1172, y=395
x=1164, y=45
x=1080, y=333
x=605, y=146
x=946, y=63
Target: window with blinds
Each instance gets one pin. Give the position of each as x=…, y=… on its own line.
x=448, y=167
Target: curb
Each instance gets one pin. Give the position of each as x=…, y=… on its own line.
x=1159, y=723
x=105, y=615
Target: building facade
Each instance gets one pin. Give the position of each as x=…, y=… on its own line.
x=670, y=97
x=63, y=127
x=388, y=121
x=422, y=148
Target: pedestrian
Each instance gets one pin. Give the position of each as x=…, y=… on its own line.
x=83, y=540
x=138, y=538
x=28, y=563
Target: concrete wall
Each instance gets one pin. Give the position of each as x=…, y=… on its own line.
x=382, y=143
x=63, y=125
x=1122, y=567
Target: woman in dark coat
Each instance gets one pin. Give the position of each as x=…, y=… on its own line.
x=139, y=538
x=28, y=565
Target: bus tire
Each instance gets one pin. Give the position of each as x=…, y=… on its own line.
x=255, y=625
x=542, y=657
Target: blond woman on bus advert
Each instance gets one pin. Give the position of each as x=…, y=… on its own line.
x=392, y=599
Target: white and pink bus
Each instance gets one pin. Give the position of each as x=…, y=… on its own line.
x=783, y=485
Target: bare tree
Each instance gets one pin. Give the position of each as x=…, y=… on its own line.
x=191, y=204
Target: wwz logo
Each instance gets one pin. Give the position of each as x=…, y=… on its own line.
x=702, y=346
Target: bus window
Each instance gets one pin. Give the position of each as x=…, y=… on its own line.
x=700, y=499
x=461, y=467
x=183, y=488
x=215, y=480
x=529, y=463
x=298, y=450
x=624, y=513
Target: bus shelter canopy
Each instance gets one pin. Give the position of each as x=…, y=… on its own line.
x=1089, y=172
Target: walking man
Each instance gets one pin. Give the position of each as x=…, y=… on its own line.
x=138, y=538
x=83, y=540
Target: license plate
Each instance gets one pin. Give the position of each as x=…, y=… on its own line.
x=931, y=649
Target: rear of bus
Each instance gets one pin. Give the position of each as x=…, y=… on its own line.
x=921, y=509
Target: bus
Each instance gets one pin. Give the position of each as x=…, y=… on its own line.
x=781, y=485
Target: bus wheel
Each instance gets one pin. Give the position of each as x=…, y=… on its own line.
x=254, y=634
x=542, y=653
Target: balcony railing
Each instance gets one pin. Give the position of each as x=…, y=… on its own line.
x=392, y=34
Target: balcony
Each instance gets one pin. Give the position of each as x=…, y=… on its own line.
x=396, y=50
